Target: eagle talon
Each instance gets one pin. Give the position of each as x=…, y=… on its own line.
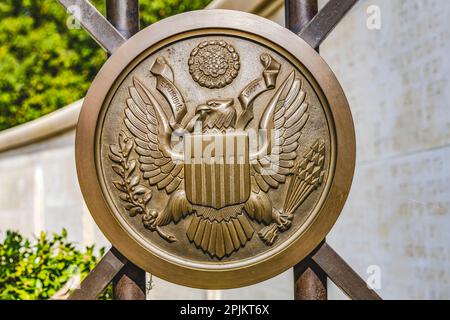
x=283, y=220
x=269, y=234
x=151, y=222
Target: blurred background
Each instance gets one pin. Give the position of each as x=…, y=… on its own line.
x=390, y=56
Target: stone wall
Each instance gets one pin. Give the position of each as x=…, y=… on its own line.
x=397, y=81
x=40, y=192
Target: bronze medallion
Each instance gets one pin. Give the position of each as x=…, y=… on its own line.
x=215, y=149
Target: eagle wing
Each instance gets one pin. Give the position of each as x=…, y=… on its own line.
x=150, y=127
x=282, y=122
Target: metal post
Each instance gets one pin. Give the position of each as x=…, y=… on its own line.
x=129, y=283
x=310, y=280
x=124, y=16
x=298, y=13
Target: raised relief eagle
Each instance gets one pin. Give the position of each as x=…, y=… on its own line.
x=213, y=175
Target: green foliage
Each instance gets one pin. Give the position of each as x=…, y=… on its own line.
x=44, y=65
x=38, y=269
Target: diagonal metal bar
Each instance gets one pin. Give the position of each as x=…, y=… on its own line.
x=342, y=274
x=99, y=278
x=101, y=30
x=324, y=22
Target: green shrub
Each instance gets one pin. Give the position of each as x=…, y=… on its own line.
x=38, y=269
x=44, y=65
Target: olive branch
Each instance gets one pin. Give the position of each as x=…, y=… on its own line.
x=132, y=193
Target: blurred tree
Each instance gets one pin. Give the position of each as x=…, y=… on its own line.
x=39, y=269
x=44, y=65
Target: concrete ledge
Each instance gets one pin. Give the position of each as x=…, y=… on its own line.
x=45, y=127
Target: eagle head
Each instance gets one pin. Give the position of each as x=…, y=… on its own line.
x=217, y=115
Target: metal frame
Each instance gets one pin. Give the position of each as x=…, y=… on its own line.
x=233, y=273
x=324, y=258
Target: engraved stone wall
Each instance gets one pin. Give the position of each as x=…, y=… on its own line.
x=397, y=82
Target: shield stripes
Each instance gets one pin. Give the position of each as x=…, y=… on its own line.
x=217, y=169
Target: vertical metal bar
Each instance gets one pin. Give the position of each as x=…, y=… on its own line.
x=310, y=281
x=124, y=16
x=298, y=13
x=129, y=283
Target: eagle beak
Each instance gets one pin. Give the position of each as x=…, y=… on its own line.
x=222, y=103
x=202, y=109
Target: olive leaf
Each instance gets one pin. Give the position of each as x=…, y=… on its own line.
x=131, y=167
x=134, y=181
x=119, y=170
x=124, y=197
x=140, y=190
x=148, y=196
x=125, y=144
x=120, y=185
x=134, y=211
x=115, y=150
x=115, y=158
x=129, y=206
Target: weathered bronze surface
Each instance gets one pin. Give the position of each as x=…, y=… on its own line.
x=215, y=149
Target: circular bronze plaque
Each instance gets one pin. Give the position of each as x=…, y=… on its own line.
x=215, y=149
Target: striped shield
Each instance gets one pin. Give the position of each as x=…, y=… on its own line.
x=217, y=169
